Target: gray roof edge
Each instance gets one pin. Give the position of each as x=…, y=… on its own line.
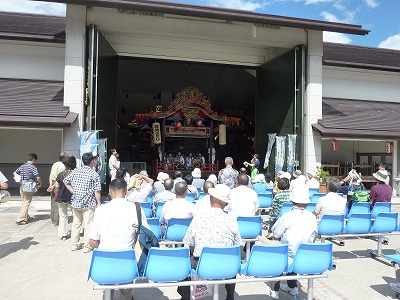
x=39, y=121
x=356, y=133
x=337, y=63
x=221, y=13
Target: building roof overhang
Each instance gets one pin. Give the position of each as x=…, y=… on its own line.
x=208, y=12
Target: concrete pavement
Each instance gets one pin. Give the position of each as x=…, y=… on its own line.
x=36, y=264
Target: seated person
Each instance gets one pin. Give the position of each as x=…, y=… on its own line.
x=382, y=192
x=332, y=203
x=198, y=182
x=243, y=200
x=179, y=207
x=259, y=185
x=312, y=182
x=137, y=189
x=268, y=180
x=204, y=203
x=190, y=187
x=354, y=186
x=159, y=184
x=280, y=197
x=167, y=194
x=244, y=171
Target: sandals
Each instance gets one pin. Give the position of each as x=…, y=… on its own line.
x=23, y=222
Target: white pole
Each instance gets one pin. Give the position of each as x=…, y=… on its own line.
x=394, y=168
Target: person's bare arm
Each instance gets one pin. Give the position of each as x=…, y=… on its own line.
x=148, y=179
x=69, y=188
x=39, y=181
x=98, y=197
x=4, y=185
x=94, y=243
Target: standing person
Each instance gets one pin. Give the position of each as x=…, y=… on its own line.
x=243, y=200
x=56, y=169
x=27, y=171
x=85, y=186
x=255, y=165
x=115, y=224
x=228, y=175
x=382, y=191
x=113, y=164
x=332, y=203
x=293, y=228
x=3, y=186
x=212, y=227
x=64, y=197
x=213, y=154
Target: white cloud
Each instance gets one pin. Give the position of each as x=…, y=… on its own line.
x=336, y=37
x=329, y=17
x=35, y=7
x=372, y=3
x=348, y=17
x=237, y=4
x=392, y=42
x=308, y=2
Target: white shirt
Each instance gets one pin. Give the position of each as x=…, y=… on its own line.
x=139, y=195
x=332, y=203
x=113, y=161
x=3, y=178
x=313, y=183
x=244, y=202
x=203, y=203
x=178, y=208
x=295, y=227
x=163, y=196
x=115, y=224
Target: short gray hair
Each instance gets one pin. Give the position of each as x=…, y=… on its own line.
x=180, y=188
x=228, y=160
x=333, y=184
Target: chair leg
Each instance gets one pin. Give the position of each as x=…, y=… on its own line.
x=247, y=251
x=216, y=292
x=310, y=289
x=107, y=295
x=379, y=250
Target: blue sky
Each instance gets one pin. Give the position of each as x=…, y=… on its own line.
x=379, y=16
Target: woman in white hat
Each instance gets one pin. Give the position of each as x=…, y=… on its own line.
x=260, y=185
x=198, y=182
x=382, y=192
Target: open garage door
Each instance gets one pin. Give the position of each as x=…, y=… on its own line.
x=279, y=101
x=102, y=86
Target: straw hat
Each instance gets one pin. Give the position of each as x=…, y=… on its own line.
x=312, y=173
x=286, y=175
x=212, y=178
x=196, y=173
x=297, y=173
x=300, y=194
x=259, y=178
x=382, y=176
x=221, y=192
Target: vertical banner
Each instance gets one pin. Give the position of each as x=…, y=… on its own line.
x=280, y=153
x=335, y=145
x=103, y=160
x=271, y=141
x=88, y=142
x=222, y=134
x=156, y=133
x=291, y=158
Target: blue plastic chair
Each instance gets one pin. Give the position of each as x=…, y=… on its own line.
x=385, y=222
x=264, y=200
x=176, y=229
x=201, y=195
x=331, y=224
x=381, y=207
x=311, y=206
x=312, y=191
x=286, y=207
x=359, y=208
x=150, y=199
x=167, y=264
x=266, y=261
x=113, y=266
x=159, y=209
x=312, y=259
x=190, y=197
x=146, y=206
x=269, y=190
x=154, y=224
x=250, y=227
x=316, y=196
x=358, y=223
x=217, y=263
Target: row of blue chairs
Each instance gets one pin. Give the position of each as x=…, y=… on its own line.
x=111, y=267
x=358, y=223
x=249, y=227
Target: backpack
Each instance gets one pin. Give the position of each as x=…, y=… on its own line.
x=145, y=240
x=361, y=196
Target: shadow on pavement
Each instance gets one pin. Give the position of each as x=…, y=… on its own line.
x=12, y=247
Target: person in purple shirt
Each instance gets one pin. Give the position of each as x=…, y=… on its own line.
x=382, y=192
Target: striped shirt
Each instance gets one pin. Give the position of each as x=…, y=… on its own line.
x=27, y=171
x=84, y=182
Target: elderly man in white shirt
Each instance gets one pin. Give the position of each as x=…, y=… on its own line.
x=243, y=200
x=332, y=203
x=113, y=224
x=139, y=187
x=178, y=208
x=205, y=203
x=167, y=194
